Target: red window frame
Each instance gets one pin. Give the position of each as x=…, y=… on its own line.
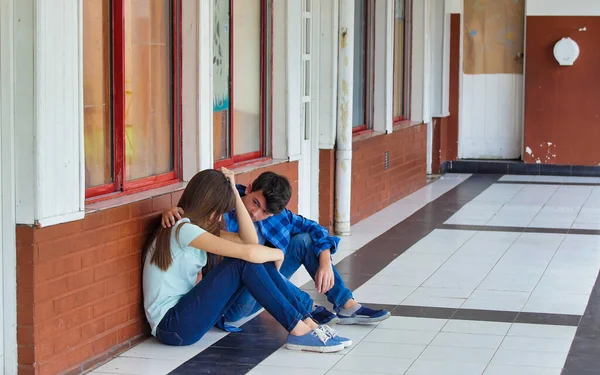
x=119, y=186
x=407, y=61
x=265, y=97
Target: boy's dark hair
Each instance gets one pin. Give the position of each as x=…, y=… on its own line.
x=276, y=189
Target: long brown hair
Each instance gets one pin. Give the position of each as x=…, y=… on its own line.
x=205, y=199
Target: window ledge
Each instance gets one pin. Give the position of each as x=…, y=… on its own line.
x=405, y=124
x=132, y=198
x=249, y=167
x=367, y=135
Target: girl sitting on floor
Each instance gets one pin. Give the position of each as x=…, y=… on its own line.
x=181, y=306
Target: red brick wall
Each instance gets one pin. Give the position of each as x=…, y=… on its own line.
x=373, y=187
x=79, y=284
x=326, y=188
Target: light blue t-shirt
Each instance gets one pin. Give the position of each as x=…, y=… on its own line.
x=163, y=289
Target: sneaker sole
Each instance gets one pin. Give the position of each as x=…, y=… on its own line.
x=316, y=349
x=332, y=322
x=361, y=320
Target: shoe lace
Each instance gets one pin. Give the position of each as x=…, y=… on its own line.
x=332, y=333
x=322, y=334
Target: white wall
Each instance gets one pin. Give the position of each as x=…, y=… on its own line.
x=562, y=8
x=8, y=253
x=49, y=112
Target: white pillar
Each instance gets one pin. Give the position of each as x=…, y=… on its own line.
x=343, y=167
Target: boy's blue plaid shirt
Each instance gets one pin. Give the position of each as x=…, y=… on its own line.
x=279, y=229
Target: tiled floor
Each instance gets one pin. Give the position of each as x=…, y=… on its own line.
x=487, y=275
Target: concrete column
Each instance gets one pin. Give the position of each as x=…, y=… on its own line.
x=343, y=167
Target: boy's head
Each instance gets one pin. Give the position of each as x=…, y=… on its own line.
x=267, y=195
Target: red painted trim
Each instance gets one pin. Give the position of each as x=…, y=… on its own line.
x=149, y=181
x=362, y=132
x=358, y=129
x=129, y=192
x=398, y=119
x=99, y=190
x=230, y=163
x=118, y=70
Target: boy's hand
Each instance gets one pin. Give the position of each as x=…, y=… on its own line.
x=230, y=176
x=324, y=279
x=169, y=215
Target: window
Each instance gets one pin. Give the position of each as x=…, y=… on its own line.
x=402, y=37
x=241, y=85
x=131, y=57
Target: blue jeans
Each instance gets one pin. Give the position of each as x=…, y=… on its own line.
x=199, y=309
x=299, y=252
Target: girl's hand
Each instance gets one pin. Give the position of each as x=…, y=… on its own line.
x=169, y=215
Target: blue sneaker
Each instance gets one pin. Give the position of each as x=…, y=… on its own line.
x=334, y=335
x=364, y=315
x=323, y=316
x=317, y=340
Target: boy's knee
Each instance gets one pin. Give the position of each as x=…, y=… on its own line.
x=301, y=240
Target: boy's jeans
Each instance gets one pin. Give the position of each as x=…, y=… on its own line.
x=298, y=253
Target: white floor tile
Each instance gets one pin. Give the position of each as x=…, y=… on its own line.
x=448, y=302
x=520, y=370
x=542, y=331
x=453, y=353
x=412, y=324
x=529, y=358
x=465, y=340
x=536, y=343
x=276, y=370
x=382, y=365
x=384, y=294
x=153, y=349
x=557, y=303
x=428, y=367
x=377, y=349
x=138, y=366
x=400, y=337
x=496, y=300
x=288, y=358
x=476, y=327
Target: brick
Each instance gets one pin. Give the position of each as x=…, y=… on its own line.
x=52, y=250
x=67, y=265
x=79, y=355
x=94, y=220
x=161, y=202
x=43, y=272
x=106, y=270
x=25, y=335
x=43, y=310
x=118, y=214
x=117, y=249
x=117, y=284
x=141, y=208
x=105, y=306
x=129, y=263
x=57, y=231
x=130, y=228
x=93, y=329
x=93, y=293
x=67, y=341
x=130, y=331
x=118, y=318
x=93, y=256
x=50, y=290
x=176, y=195
x=67, y=303
x=27, y=369
x=91, y=363
x=106, y=342
x=79, y=280
x=26, y=354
